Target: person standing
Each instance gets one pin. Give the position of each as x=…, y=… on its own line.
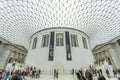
x=38, y=72
x=22, y=72
x=88, y=74
x=9, y=70
x=55, y=73
x=73, y=71
x=34, y=72
x=106, y=65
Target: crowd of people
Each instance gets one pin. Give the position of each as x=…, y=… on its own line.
x=12, y=72
x=97, y=74
x=90, y=74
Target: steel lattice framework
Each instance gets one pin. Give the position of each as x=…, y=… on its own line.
x=99, y=19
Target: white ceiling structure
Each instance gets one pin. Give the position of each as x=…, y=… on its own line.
x=99, y=19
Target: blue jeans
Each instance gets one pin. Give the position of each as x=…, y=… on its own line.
x=8, y=75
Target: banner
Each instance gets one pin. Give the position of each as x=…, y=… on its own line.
x=51, y=47
x=68, y=48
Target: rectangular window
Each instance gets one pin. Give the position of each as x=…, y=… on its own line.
x=59, y=39
x=84, y=43
x=74, y=41
x=45, y=40
x=34, y=43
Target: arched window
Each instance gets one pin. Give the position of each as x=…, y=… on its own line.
x=74, y=41
x=59, y=39
x=84, y=43
x=45, y=40
x=34, y=43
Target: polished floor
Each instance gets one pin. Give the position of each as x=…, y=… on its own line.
x=63, y=77
x=68, y=76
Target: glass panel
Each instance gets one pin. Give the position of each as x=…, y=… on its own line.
x=68, y=48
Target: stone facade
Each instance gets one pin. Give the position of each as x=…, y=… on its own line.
x=109, y=50
x=10, y=52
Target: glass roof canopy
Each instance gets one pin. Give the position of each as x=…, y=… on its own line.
x=99, y=19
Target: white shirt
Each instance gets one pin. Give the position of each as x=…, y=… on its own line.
x=106, y=65
x=9, y=67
